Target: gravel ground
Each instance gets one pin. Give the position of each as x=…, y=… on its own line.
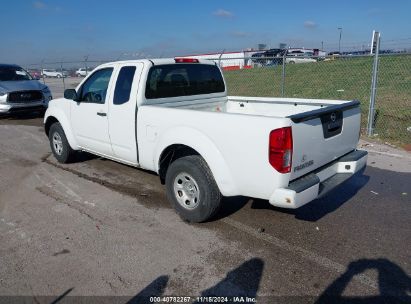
x=99, y=228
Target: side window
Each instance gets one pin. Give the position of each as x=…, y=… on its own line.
x=94, y=90
x=123, y=85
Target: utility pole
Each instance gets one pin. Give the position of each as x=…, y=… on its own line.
x=85, y=63
x=322, y=45
x=339, y=41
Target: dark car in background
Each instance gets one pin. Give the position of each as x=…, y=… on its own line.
x=274, y=52
x=19, y=91
x=258, y=58
x=335, y=53
x=269, y=57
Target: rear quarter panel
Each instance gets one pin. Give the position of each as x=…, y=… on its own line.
x=234, y=146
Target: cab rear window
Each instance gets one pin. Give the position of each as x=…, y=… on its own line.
x=185, y=79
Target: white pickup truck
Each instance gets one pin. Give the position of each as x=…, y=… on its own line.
x=173, y=117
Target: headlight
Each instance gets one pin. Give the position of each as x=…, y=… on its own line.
x=46, y=90
x=3, y=97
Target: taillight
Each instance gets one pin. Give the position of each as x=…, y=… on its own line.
x=280, y=149
x=186, y=60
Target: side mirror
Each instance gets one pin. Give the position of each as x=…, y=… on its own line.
x=70, y=94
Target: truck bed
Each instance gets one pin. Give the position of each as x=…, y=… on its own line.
x=259, y=106
x=240, y=128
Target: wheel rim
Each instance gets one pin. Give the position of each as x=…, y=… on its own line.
x=186, y=191
x=57, y=143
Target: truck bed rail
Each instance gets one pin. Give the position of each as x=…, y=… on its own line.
x=300, y=117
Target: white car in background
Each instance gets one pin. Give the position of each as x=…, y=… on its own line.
x=83, y=72
x=299, y=57
x=54, y=73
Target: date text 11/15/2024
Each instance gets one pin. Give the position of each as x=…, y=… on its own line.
x=202, y=299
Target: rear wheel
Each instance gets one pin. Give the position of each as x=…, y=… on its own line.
x=59, y=145
x=192, y=190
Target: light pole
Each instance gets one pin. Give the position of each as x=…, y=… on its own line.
x=339, y=42
x=85, y=63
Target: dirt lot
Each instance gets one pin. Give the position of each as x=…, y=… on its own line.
x=99, y=228
x=57, y=85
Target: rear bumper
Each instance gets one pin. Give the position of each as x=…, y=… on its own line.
x=316, y=184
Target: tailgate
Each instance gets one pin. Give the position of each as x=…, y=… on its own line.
x=323, y=135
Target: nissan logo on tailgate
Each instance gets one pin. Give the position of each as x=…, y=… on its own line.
x=333, y=116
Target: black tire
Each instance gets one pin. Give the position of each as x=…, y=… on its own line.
x=66, y=154
x=209, y=196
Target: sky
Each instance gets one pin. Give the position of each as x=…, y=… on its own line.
x=46, y=30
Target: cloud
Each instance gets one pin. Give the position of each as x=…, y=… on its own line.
x=310, y=24
x=43, y=6
x=223, y=13
x=39, y=5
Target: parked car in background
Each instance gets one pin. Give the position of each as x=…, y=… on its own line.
x=269, y=57
x=299, y=57
x=36, y=74
x=258, y=58
x=334, y=54
x=274, y=52
x=82, y=72
x=54, y=73
x=19, y=91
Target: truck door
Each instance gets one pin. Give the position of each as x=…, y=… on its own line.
x=89, y=113
x=123, y=113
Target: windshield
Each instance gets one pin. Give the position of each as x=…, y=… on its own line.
x=11, y=73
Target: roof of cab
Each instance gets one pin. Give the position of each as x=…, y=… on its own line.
x=156, y=61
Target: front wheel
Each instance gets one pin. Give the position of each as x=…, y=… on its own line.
x=192, y=190
x=59, y=145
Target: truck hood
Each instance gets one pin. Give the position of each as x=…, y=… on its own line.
x=23, y=85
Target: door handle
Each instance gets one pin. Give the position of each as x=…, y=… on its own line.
x=101, y=114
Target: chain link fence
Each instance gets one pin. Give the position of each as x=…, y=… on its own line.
x=333, y=77
x=393, y=100
x=64, y=74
